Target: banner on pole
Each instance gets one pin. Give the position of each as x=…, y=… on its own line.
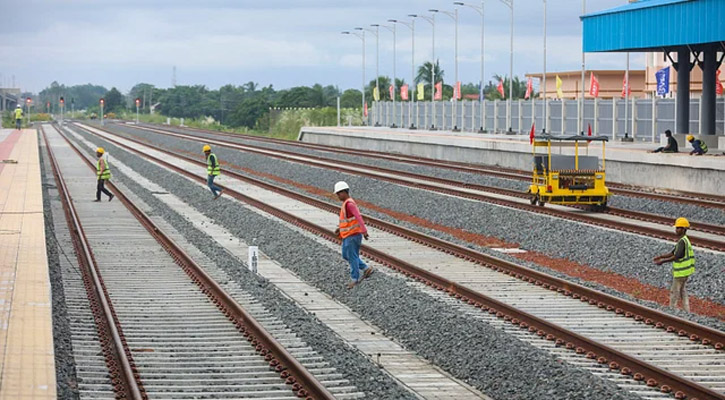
x=626, y=88
x=376, y=94
x=365, y=109
x=529, y=88
x=718, y=84
x=457, y=91
x=559, y=92
x=391, y=90
x=500, y=88
x=420, y=91
x=404, y=92
x=593, y=85
x=439, y=91
x=663, y=81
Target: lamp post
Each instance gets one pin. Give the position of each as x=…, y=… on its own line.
x=544, y=78
x=362, y=37
x=581, y=107
x=391, y=28
x=138, y=103
x=27, y=106
x=376, y=32
x=432, y=22
x=411, y=91
x=454, y=16
x=479, y=10
x=102, y=102
x=510, y=4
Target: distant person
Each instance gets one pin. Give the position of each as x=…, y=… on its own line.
x=18, y=117
x=103, y=173
x=212, y=171
x=698, y=146
x=671, y=146
x=683, y=264
x=352, y=230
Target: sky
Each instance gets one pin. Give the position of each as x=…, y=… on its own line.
x=274, y=42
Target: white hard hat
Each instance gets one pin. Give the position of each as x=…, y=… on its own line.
x=340, y=186
x=18, y=106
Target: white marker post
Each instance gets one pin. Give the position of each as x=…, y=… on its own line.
x=253, y=258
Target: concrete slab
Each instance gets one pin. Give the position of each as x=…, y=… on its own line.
x=628, y=163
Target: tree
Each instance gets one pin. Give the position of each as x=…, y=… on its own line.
x=114, y=101
x=351, y=98
x=249, y=112
x=300, y=96
x=519, y=88
x=384, y=83
x=424, y=76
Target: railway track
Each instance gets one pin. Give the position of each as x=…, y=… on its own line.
x=700, y=199
x=658, y=227
x=169, y=330
x=630, y=341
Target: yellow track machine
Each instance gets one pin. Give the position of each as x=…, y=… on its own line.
x=569, y=179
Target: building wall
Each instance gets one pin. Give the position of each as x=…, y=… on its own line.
x=656, y=61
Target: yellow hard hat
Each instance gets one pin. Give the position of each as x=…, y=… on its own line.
x=100, y=150
x=206, y=148
x=690, y=138
x=682, y=223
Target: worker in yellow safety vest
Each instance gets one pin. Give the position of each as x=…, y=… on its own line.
x=18, y=117
x=212, y=171
x=103, y=173
x=683, y=264
x=351, y=230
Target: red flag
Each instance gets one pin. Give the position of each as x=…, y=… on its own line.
x=404, y=92
x=391, y=89
x=500, y=88
x=439, y=91
x=457, y=91
x=625, y=87
x=589, y=131
x=365, y=109
x=718, y=84
x=532, y=133
x=529, y=88
x=593, y=85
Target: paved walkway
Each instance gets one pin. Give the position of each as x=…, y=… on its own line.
x=27, y=368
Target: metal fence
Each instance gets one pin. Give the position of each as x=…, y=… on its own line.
x=646, y=118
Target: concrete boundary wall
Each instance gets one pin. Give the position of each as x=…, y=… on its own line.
x=623, y=165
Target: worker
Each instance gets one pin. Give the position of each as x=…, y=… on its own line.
x=671, y=146
x=352, y=230
x=212, y=171
x=699, y=147
x=18, y=117
x=683, y=264
x=103, y=173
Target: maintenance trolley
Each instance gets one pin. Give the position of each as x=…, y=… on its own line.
x=568, y=179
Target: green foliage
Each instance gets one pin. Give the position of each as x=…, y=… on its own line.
x=114, y=101
x=8, y=119
x=519, y=88
x=351, y=98
x=249, y=112
x=78, y=96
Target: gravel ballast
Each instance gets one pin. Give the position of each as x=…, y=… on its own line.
x=660, y=207
x=487, y=358
x=607, y=250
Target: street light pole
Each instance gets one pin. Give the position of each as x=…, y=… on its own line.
x=454, y=16
x=411, y=90
x=581, y=107
x=391, y=28
x=510, y=4
x=361, y=36
x=544, y=78
x=376, y=32
x=479, y=10
x=432, y=21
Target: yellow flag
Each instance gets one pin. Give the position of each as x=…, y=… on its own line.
x=376, y=94
x=559, y=92
x=420, y=91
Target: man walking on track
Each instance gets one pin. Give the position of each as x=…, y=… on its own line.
x=212, y=171
x=103, y=173
x=18, y=117
x=351, y=230
x=683, y=264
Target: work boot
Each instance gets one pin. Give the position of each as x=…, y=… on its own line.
x=111, y=197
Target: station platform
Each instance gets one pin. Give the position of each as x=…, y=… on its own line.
x=27, y=366
x=626, y=162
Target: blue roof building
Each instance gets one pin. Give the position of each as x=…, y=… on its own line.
x=692, y=29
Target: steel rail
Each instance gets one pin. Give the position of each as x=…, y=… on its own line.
x=701, y=199
x=122, y=371
x=359, y=169
x=616, y=360
x=304, y=384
